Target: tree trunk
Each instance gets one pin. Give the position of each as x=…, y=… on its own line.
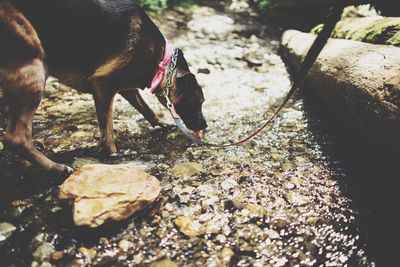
x=357, y=81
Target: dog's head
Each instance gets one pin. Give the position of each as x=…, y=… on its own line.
x=187, y=96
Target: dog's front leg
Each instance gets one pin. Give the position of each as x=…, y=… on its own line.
x=104, y=98
x=136, y=100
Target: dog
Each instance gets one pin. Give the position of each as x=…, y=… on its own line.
x=102, y=47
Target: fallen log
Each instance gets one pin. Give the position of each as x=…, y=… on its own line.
x=375, y=30
x=357, y=81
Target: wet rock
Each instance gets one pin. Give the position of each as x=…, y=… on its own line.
x=253, y=59
x=296, y=199
x=102, y=193
x=43, y=264
x=221, y=238
x=228, y=184
x=204, y=70
x=125, y=245
x=6, y=230
x=89, y=253
x=186, y=169
x=272, y=234
x=255, y=211
x=213, y=25
x=163, y=263
x=189, y=227
x=58, y=255
x=226, y=255
x=44, y=252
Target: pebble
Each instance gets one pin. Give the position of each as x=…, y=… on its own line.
x=228, y=184
x=89, y=253
x=255, y=211
x=296, y=199
x=186, y=169
x=226, y=254
x=221, y=238
x=163, y=263
x=44, y=252
x=272, y=234
x=6, y=230
x=125, y=245
x=189, y=227
x=58, y=255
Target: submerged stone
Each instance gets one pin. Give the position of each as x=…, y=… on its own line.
x=163, y=263
x=189, y=227
x=186, y=169
x=102, y=193
x=255, y=211
x=43, y=252
x=6, y=230
x=296, y=199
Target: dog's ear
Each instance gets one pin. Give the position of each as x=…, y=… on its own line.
x=181, y=62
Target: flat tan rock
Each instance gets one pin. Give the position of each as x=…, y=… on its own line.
x=102, y=193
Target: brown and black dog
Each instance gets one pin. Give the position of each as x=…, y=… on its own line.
x=96, y=46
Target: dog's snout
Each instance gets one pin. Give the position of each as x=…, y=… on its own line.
x=203, y=124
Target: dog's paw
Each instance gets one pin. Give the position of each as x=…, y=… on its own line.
x=68, y=170
x=114, y=155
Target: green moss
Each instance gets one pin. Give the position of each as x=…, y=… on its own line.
x=395, y=40
x=375, y=30
x=262, y=4
x=158, y=5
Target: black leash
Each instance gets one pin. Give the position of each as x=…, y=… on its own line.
x=312, y=54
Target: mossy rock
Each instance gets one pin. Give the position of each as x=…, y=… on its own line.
x=375, y=30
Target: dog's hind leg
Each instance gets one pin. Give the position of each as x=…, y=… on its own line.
x=23, y=87
x=136, y=100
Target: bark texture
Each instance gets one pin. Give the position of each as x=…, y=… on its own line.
x=358, y=81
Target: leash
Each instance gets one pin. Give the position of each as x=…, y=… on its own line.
x=311, y=56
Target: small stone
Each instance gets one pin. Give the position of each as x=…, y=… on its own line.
x=125, y=245
x=280, y=223
x=228, y=184
x=46, y=264
x=43, y=252
x=6, y=230
x=186, y=169
x=296, y=199
x=287, y=166
x=58, y=255
x=210, y=201
x=138, y=258
x=238, y=202
x=189, y=227
x=89, y=253
x=255, y=211
x=221, y=238
x=297, y=181
x=272, y=234
x=163, y=263
x=203, y=70
x=169, y=207
x=226, y=255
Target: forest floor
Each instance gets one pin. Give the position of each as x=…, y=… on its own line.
x=281, y=199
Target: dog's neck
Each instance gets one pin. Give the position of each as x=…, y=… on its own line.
x=160, y=74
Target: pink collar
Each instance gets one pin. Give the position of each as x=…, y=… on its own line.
x=159, y=75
